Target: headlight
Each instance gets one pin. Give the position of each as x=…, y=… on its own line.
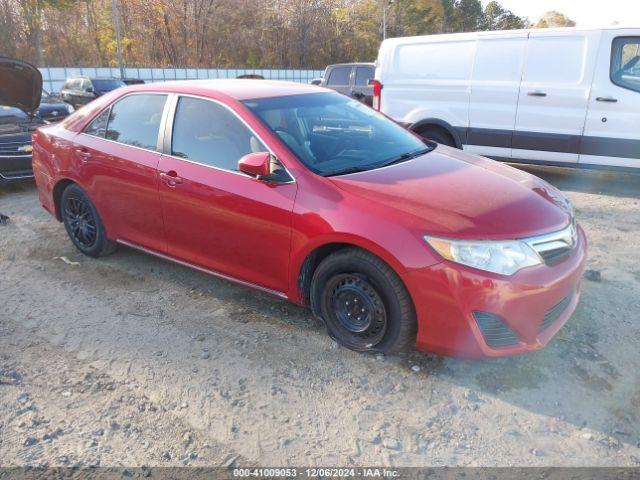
x=70, y=108
x=503, y=257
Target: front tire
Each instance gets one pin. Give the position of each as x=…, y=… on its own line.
x=363, y=303
x=443, y=138
x=83, y=223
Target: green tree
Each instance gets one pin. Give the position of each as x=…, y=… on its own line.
x=496, y=17
x=419, y=17
x=554, y=19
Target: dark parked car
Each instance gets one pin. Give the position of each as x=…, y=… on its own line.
x=351, y=79
x=52, y=108
x=79, y=91
x=20, y=92
x=133, y=81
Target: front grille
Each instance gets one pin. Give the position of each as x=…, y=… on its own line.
x=554, y=313
x=496, y=334
x=13, y=147
x=553, y=247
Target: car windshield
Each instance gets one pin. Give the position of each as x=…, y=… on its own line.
x=333, y=134
x=107, y=84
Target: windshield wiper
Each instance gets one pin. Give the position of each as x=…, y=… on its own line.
x=361, y=168
x=405, y=156
x=344, y=171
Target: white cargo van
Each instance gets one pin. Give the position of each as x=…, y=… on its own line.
x=567, y=97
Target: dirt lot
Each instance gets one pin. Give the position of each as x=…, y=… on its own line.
x=130, y=360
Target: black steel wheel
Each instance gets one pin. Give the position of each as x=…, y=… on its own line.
x=83, y=223
x=363, y=303
x=357, y=309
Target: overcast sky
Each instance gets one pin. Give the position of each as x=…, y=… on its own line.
x=583, y=12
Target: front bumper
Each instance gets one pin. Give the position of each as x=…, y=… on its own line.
x=454, y=302
x=15, y=167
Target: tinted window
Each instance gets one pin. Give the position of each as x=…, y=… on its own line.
x=98, y=126
x=333, y=134
x=363, y=75
x=625, y=63
x=106, y=84
x=135, y=120
x=339, y=76
x=208, y=133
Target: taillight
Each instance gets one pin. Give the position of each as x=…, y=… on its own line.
x=377, y=94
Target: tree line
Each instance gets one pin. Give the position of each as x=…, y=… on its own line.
x=234, y=33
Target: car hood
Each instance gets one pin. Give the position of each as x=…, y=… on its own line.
x=20, y=84
x=453, y=194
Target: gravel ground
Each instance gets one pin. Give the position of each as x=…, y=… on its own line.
x=130, y=360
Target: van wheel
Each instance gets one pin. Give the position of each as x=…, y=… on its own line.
x=438, y=136
x=363, y=303
x=83, y=223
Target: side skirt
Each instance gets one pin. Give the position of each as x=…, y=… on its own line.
x=204, y=270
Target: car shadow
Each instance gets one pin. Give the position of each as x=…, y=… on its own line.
x=615, y=183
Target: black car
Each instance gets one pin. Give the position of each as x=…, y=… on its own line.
x=351, y=79
x=52, y=108
x=78, y=91
x=133, y=81
x=20, y=92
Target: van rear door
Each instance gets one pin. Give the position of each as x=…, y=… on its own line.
x=612, y=135
x=552, y=104
x=495, y=87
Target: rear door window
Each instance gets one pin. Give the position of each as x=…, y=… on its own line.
x=339, y=76
x=363, y=75
x=135, y=120
x=625, y=63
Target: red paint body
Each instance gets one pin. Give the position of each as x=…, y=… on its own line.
x=260, y=233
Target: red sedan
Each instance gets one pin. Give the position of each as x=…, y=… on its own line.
x=311, y=196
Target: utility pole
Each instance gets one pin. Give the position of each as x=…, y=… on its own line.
x=116, y=22
x=385, y=5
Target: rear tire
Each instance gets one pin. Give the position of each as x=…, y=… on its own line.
x=83, y=223
x=363, y=303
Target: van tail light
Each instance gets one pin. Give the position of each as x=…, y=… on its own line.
x=377, y=94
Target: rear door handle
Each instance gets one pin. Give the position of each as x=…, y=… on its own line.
x=537, y=94
x=84, y=154
x=606, y=99
x=171, y=178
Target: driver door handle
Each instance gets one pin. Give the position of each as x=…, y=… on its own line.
x=606, y=99
x=171, y=178
x=537, y=94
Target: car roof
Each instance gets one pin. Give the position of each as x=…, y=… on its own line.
x=500, y=33
x=238, y=89
x=352, y=64
x=82, y=77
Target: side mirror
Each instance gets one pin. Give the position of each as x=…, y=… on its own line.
x=256, y=164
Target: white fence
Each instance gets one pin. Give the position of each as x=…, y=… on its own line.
x=54, y=77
